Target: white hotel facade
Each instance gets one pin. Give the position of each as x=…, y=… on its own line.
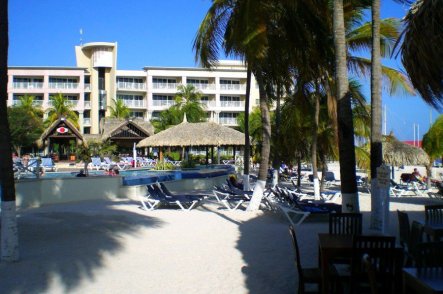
x=95, y=82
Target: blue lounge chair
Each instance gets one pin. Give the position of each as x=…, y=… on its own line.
x=97, y=163
x=156, y=198
x=48, y=164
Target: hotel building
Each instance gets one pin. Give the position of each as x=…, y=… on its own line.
x=93, y=84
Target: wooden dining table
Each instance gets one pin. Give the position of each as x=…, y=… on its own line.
x=424, y=280
x=331, y=247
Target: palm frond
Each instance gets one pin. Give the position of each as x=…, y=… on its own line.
x=393, y=81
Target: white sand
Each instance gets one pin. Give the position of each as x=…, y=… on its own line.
x=115, y=247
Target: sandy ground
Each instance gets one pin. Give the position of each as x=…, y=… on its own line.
x=115, y=247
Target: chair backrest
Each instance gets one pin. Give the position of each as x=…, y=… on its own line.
x=404, y=227
x=405, y=178
x=434, y=214
x=345, y=223
x=46, y=161
x=429, y=254
x=165, y=189
x=297, y=253
x=382, y=254
x=329, y=176
x=96, y=160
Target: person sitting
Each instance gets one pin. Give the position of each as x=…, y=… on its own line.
x=416, y=176
x=234, y=182
x=81, y=173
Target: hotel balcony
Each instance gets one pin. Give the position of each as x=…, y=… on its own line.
x=135, y=103
x=36, y=103
x=88, y=87
x=232, y=87
x=87, y=105
x=208, y=103
x=234, y=104
x=27, y=85
x=63, y=85
x=204, y=87
x=86, y=121
x=229, y=121
x=130, y=86
x=74, y=103
x=166, y=86
x=166, y=103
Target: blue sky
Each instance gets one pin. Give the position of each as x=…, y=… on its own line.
x=152, y=33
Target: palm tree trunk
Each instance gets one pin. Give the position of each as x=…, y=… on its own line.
x=9, y=230
x=254, y=204
x=276, y=157
x=344, y=115
x=314, y=147
x=323, y=172
x=376, y=121
x=298, y=171
x=247, y=155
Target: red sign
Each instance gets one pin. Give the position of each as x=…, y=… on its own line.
x=62, y=130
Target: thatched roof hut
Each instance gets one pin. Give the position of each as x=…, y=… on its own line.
x=398, y=153
x=62, y=128
x=195, y=134
x=113, y=127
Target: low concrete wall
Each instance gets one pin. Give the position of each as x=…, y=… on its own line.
x=50, y=191
x=180, y=186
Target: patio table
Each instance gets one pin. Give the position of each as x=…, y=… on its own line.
x=424, y=280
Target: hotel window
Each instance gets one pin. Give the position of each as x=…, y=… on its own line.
x=229, y=82
x=197, y=81
x=155, y=115
x=138, y=114
x=163, y=100
x=164, y=81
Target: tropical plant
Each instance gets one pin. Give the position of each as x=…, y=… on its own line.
x=255, y=128
x=163, y=165
x=119, y=110
x=168, y=117
x=27, y=103
x=84, y=154
x=61, y=107
x=421, y=49
x=25, y=128
x=432, y=143
x=187, y=101
x=9, y=230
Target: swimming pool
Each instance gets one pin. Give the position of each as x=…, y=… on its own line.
x=148, y=176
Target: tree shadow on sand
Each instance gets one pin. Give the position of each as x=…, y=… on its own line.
x=67, y=244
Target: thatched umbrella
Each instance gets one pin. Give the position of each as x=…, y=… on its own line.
x=208, y=134
x=195, y=134
x=397, y=153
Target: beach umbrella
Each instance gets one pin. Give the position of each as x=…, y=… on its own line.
x=195, y=134
x=397, y=153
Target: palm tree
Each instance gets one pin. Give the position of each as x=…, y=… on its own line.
x=344, y=114
x=421, y=49
x=120, y=110
x=376, y=119
x=433, y=143
x=9, y=230
x=188, y=101
x=61, y=107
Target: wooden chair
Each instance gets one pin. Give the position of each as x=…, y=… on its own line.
x=415, y=238
x=434, y=214
x=429, y=254
x=384, y=258
x=404, y=228
x=305, y=275
x=345, y=223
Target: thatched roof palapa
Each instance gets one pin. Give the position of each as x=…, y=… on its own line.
x=398, y=153
x=111, y=126
x=195, y=134
x=50, y=130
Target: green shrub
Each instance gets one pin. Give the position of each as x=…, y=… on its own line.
x=163, y=165
x=173, y=155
